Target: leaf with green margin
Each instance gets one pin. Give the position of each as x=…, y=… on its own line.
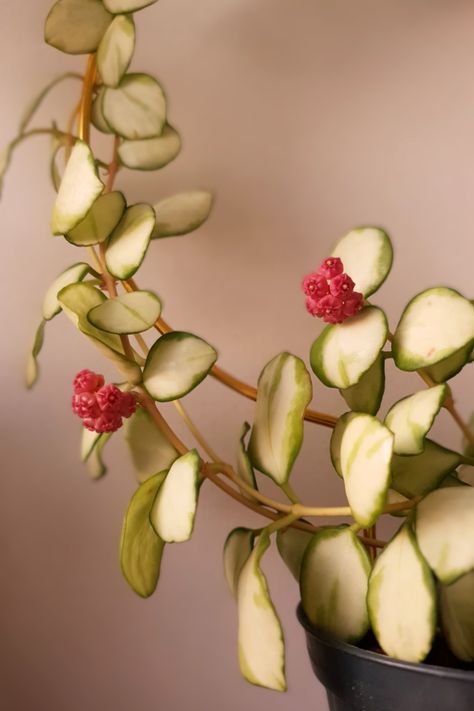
x=72, y=275
x=151, y=153
x=95, y=464
x=237, y=548
x=97, y=115
x=445, y=531
x=79, y=189
x=100, y=221
x=76, y=26
x=129, y=313
x=336, y=438
x=136, y=109
x=402, y=599
x=116, y=50
x=244, y=465
x=32, y=368
x=333, y=557
x=140, y=547
x=118, y=6
x=151, y=452
x=436, y=324
x=128, y=243
x=367, y=255
x=291, y=544
x=182, y=213
x=77, y=300
x=174, y=508
x=344, y=352
x=421, y=473
x=456, y=602
x=283, y=393
x=176, y=364
x=261, y=642
x=366, y=454
x=366, y=395
x=411, y=418
x=451, y=366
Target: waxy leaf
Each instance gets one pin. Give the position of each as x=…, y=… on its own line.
x=174, y=509
x=136, y=108
x=365, y=458
x=421, y=473
x=97, y=114
x=176, y=364
x=291, y=544
x=402, y=599
x=182, y=213
x=76, y=26
x=445, y=531
x=116, y=50
x=244, y=465
x=261, y=643
x=117, y=6
x=79, y=189
x=95, y=464
x=367, y=256
x=100, y=221
x=140, y=548
x=449, y=367
x=456, y=603
x=411, y=419
x=151, y=153
x=284, y=392
x=71, y=275
x=366, y=395
x=336, y=439
x=32, y=369
x=435, y=324
x=333, y=583
x=77, y=300
x=344, y=352
x=128, y=313
x=237, y=549
x=150, y=450
x=129, y=241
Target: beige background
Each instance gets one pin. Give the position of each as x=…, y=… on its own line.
x=307, y=117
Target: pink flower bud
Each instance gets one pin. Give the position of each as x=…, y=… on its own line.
x=85, y=405
x=331, y=267
x=128, y=404
x=342, y=285
x=109, y=398
x=86, y=381
x=315, y=286
x=107, y=422
x=353, y=304
x=313, y=307
x=332, y=309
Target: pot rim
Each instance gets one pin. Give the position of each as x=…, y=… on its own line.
x=420, y=668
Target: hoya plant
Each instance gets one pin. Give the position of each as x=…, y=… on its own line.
x=403, y=589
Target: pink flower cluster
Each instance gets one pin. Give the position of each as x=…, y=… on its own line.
x=101, y=407
x=330, y=292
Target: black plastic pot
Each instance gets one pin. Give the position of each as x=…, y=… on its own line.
x=360, y=680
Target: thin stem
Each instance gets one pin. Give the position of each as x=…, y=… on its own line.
x=288, y=490
x=282, y=522
x=85, y=103
x=145, y=400
x=114, y=166
x=69, y=141
x=196, y=433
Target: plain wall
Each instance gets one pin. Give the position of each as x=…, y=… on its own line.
x=307, y=118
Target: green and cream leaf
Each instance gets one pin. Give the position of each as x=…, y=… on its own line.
x=116, y=50
x=129, y=313
x=291, y=544
x=76, y=26
x=334, y=557
x=445, y=531
x=129, y=241
x=284, y=391
x=174, y=509
x=344, y=352
x=151, y=153
x=367, y=256
x=365, y=457
x=182, y=213
x=435, y=324
x=366, y=395
x=421, y=473
x=100, y=221
x=73, y=274
x=32, y=368
x=244, y=465
x=402, y=599
x=237, y=548
x=79, y=189
x=176, y=364
x=456, y=602
x=141, y=548
x=411, y=419
x=261, y=643
x=150, y=450
x=118, y=6
x=136, y=108
x=95, y=463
